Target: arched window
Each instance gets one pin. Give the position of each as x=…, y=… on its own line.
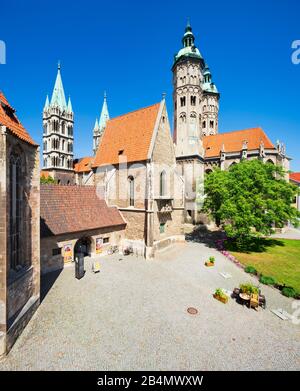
x=131, y=190
x=204, y=124
x=16, y=207
x=193, y=100
x=63, y=126
x=182, y=117
x=63, y=145
x=182, y=101
x=162, y=183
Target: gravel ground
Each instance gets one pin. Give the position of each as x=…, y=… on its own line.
x=132, y=316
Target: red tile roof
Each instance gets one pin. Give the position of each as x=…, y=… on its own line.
x=66, y=209
x=295, y=176
x=84, y=164
x=129, y=135
x=9, y=119
x=233, y=141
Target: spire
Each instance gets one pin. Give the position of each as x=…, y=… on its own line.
x=104, y=117
x=189, y=49
x=188, y=38
x=58, y=95
x=46, y=103
x=188, y=25
x=70, y=109
x=96, y=124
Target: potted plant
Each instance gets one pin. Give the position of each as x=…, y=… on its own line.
x=249, y=288
x=210, y=262
x=220, y=295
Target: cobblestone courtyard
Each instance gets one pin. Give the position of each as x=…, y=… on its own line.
x=132, y=316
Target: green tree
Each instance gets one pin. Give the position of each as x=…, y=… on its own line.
x=249, y=199
x=47, y=180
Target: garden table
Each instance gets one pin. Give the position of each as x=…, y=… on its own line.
x=245, y=298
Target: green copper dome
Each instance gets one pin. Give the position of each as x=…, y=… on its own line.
x=189, y=49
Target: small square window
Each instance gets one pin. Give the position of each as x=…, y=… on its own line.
x=105, y=240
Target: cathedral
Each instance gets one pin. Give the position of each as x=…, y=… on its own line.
x=142, y=183
x=198, y=145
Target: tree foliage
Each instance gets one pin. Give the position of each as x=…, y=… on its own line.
x=47, y=180
x=250, y=199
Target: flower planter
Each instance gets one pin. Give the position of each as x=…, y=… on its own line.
x=209, y=263
x=223, y=299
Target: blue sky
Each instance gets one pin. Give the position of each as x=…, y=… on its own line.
x=127, y=48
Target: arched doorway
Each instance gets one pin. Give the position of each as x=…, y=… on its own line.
x=83, y=246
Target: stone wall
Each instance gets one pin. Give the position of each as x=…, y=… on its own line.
x=50, y=262
x=19, y=289
x=63, y=177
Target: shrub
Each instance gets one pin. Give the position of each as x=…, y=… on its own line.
x=212, y=259
x=250, y=269
x=249, y=288
x=288, y=291
x=267, y=280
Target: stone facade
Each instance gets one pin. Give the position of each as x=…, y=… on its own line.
x=58, y=140
x=154, y=219
x=199, y=146
x=58, y=251
x=196, y=108
x=19, y=285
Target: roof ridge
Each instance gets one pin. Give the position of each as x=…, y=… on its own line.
x=134, y=111
x=235, y=131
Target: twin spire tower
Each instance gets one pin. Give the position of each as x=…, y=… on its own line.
x=58, y=134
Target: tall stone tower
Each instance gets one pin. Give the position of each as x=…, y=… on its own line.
x=100, y=125
x=58, y=140
x=196, y=106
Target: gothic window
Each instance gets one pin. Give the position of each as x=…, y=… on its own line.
x=162, y=183
x=45, y=128
x=70, y=131
x=193, y=117
x=204, y=124
x=63, y=145
x=45, y=146
x=63, y=161
x=131, y=190
x=15, y=211
x=63, y=126
x=193, y=100
x=182, y=101
x=182, y=118
x=211, y=124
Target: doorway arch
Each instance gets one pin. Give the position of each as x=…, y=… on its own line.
x=83, y=246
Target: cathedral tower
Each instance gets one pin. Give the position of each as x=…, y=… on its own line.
x=58, y=124
x=196, y=106
x=100, y=125
x=187, y=96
